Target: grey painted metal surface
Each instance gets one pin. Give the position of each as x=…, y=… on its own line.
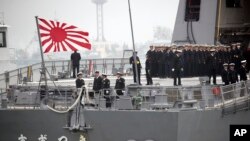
x=127, y=125
x=208, y=125
x=162, y=125
x=32, y=124
x=203, y=30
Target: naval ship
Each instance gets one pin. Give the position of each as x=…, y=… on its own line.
x=195, y=111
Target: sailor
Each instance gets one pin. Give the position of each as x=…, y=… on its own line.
x=211, y=63
x=154, y=64
x=79, y=81
x=79, y=84
x=75, y=60
x=150, y=52
x=236, y=56
x=243, y=71
x=97, y=84
x=233, y=77
x=161, y=63
x=185, y=58
x=138, y=63
x=225, y=74
x=148, y=70
x=106, y=89
x=177, y=67
x=170, y=60
x=167, y=66
x=119, y=84
x=196, y=57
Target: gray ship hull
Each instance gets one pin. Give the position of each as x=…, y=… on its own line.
x=32, y=124
x=122, y=125
x=162, y=125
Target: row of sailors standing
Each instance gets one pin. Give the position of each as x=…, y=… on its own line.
x=229, y=74
x=102, y=84
x=194, y=58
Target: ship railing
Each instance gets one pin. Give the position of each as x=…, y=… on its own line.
x=62, y=69
x=3, y=98
x=235, y=97
x=109, y=99
x=160, y=98
x=31, y=97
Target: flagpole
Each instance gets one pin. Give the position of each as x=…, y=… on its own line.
x=42, y=57
x=134, y=54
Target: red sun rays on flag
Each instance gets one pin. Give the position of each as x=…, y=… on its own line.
x=56, y=37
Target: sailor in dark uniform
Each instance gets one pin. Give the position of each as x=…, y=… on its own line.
x=106, y=89
x=119, y=84
x=148, y=70
x=243, y=71
x=211, y=63
x=75, y=60
x=225, y=74
x=97, y=84
x=233, y=77
x=151, y=54
x=177, y=67
x=79, y=81
x=133, y=62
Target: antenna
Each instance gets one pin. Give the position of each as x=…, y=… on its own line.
x=99, y=16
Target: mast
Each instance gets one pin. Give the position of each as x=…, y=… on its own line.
x=43, y=72
x=134, y=54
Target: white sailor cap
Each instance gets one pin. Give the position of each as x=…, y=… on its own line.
x=179, y=51
x=119, y=73
x=212, y=50
x=80, y=73
x=225, y=64
x=231, y=64
x=244, y=61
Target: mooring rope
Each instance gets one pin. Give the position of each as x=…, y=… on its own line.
x=85, y=95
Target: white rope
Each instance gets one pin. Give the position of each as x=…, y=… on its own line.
x=74, y=104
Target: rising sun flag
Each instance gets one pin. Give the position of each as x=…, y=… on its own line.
x=56, y=37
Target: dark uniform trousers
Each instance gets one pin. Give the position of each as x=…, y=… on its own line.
x=148, y=72
x=119, y=86
x=177, y=75
x=106, y=91
x=243, y=73
x=225, y=76
x=97, y=86
x=233, y=77
x=211, y=63
x=138, y=63
x=75, y=58
x=177, y=66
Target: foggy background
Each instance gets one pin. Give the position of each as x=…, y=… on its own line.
x=153, y=22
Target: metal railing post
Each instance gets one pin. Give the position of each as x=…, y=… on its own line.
x=222, y=97
x=234, y=96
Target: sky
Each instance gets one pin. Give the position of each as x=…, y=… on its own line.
x=146, y=14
